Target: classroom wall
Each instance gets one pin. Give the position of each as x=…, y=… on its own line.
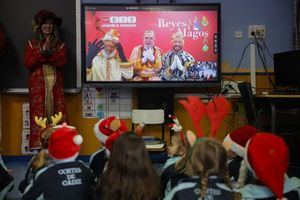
x=12, y=123
x=236, y=15
x=12, y=120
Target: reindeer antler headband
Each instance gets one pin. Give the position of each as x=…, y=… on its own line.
x=42, y=122
x=216, y=110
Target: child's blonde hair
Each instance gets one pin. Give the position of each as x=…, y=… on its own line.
x=42, y=157
x=208, y=157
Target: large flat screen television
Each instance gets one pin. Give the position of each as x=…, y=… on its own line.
x=151, y=45
x=286, y=70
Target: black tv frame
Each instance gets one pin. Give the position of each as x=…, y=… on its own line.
x=151, y=84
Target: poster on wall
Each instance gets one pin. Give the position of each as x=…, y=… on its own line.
x=25, y=130
x=102, y=102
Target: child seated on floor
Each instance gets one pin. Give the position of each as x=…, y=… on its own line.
x=267, y=157
x=234, y=144
x=173, y=169
x=66, y=178
x=130, y=175
x=38, y=161
x=41, y=159
x=176, y=149
x=106, y=130
x=216, y=110
x=207, y=170
x=6, y=180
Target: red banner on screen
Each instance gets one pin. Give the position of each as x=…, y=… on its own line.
x=199, y=29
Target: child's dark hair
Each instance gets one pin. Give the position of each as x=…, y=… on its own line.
x=208, y=157
x=130, y=173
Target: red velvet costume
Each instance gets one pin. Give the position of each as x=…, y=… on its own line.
x=36, y=62
x=2, y=42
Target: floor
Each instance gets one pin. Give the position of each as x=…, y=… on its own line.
x=19, y=169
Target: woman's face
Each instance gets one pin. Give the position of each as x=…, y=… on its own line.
x=47, y=27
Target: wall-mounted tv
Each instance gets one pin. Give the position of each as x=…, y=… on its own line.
x=151, y=45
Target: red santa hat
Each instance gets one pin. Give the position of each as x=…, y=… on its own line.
x=237, y=140
x=267, y=157
x=64, y=142
x=107, y=130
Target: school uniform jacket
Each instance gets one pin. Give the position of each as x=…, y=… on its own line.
x=234, y=167
x=170, y=178
x=258, y=192
x=98, y=161
x=62, y=181
x=189, y=189
x=30, y=173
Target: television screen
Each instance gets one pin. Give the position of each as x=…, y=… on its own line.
x=151, y=45
x=286, y=69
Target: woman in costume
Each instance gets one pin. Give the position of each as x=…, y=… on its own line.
x=45, y=57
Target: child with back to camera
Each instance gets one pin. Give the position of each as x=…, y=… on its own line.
x=65, y=178
x=130, y=174
x=216, y=110
x=207, y=170
x=6, y=179
x=176, y=149
x=41, y=159
x=107, y=130
x=235, y=143
x=173, y=169
x=267, y=157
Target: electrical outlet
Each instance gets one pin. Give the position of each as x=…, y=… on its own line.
x=238, y=34
x=258, y=30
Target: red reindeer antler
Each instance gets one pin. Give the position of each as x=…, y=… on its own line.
x=196, y=110
x=216, y=111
